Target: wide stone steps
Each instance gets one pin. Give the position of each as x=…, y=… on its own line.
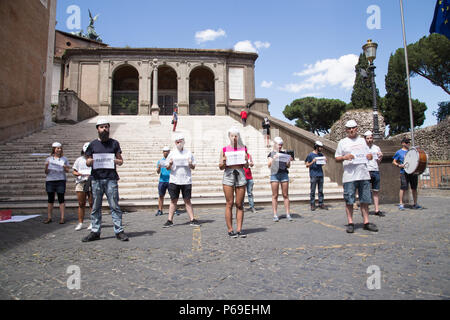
x=22, y=178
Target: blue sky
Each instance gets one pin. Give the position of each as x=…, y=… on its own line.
x=305, y=48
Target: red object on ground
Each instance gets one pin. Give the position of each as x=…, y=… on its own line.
x=5, y=214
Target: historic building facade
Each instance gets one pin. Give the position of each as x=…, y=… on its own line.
x=140, y=81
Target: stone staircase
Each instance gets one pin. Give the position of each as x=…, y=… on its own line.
x=22, y=178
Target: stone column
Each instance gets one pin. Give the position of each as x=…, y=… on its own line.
x=155, y=108
x=144, y=93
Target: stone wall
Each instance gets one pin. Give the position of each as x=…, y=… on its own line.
x=434, y=140
x=24, y=33
x=364, y=119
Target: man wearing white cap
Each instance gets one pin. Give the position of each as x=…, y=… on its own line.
x=354, y=153
x=374, y=171
x=164, y=177
x=103, y=155
x=316, y=174
x=180, y=162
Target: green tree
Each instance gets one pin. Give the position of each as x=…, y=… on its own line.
x=395, y=104
x=443, y=111
x=430, y=58
x=314, y=114
x=362, y=94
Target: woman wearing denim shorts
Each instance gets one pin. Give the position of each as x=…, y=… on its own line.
x=279, y=175
x=234, y=181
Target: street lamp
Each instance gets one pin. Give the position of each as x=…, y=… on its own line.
x=370, y=50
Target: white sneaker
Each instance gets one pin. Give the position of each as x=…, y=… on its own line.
x=90, y=227
x=288, y=216
x=78, y=227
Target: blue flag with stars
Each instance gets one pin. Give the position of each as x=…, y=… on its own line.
x=440, y=22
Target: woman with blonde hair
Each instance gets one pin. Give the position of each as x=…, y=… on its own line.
x=56, y=167
x=233, y=160
x=279, y=162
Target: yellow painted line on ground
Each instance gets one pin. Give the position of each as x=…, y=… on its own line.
x=196, y=238
x=337, y=228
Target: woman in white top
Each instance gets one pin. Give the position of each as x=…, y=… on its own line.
x=180, y=162
x=56, y=167
x=82, y=185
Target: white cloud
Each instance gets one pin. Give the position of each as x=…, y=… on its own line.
x=297, y=87
x=245, y=46
x=209, y=35
x=328, y=72
x=266, y=84
x=259, y=44
x=248, y=46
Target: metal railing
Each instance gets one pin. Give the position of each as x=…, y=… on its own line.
x=435, y=177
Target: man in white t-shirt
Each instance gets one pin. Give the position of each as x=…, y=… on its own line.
x=354, y=153
x=180, y=162
x=374, y=171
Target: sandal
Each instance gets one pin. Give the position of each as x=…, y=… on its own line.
x=47, y=221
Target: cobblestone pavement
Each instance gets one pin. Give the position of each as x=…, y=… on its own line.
x=311, y=257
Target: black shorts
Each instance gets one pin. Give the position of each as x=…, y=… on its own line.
x=406, y=179
x=174, y=191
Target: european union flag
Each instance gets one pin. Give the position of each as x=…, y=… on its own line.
x=440, y=22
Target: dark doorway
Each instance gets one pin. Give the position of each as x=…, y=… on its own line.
x=167, y=89
x=125, y=93
x=201, y=92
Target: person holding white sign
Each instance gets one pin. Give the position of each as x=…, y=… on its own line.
x=356, y=175
x=314, y=162
x=279, y=162
x=104, y=180
x=374, y=172
x=233, y=159
x=180, y=162
x=56, y=167
x=83, y=186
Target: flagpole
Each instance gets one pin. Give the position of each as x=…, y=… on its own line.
x=407, y=77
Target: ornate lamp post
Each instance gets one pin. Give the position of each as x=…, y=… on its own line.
x=370, y=50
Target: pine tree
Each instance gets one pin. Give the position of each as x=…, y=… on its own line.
x=362, y=95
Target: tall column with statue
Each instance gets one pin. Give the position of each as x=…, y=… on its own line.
x=154, y=110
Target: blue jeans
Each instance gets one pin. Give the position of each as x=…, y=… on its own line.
x=251, y=202
x=111, y=189
x=316, y=181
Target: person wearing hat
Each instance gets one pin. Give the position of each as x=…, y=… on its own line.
x=354, y=154
x=234, y=181
x=164, y=177
x=180, y=162
x=405, y=179
x=374, y=171
x=56, y=167
x=279, y=175
x=104, y=155
x=316, y=174
x=83, y=186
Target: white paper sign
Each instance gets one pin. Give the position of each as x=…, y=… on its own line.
x=55, y=165
x=359, y=158
x=162, y=163
x=235, y=157
x=103, y=160
x=236, y=83
x=284, y=157
x=321, y=160
x=85, y=172
x=181, y=162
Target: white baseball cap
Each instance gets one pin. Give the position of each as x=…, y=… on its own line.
x=85, y=146
x=56, y=145
x=368, y=133
x=101, y=121
x=351, y=124
x=178, y=136
x=166, y=148
x=278, y=140
x=318, y=143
